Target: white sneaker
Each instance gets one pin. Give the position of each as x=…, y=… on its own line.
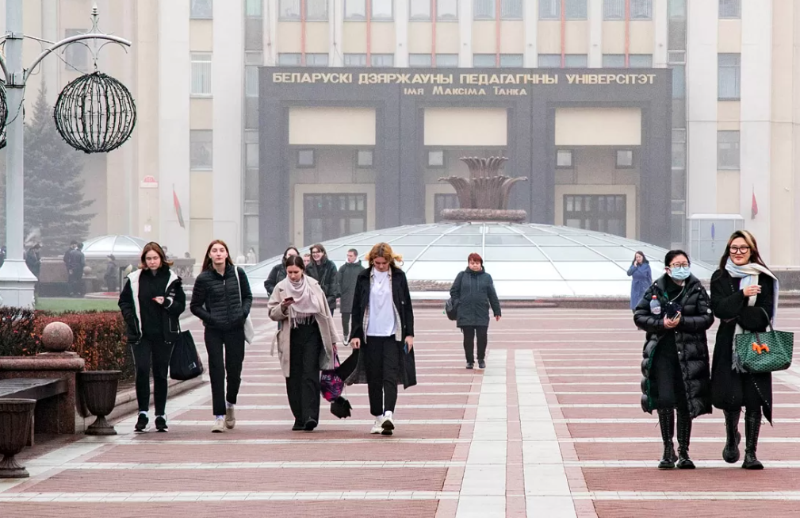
x=388, y=424
x=378, y=426
x=219, y=425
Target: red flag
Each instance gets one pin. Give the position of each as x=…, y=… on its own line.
x=178, y=210
x=754, y=207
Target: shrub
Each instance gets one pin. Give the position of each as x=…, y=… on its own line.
x=17, y=336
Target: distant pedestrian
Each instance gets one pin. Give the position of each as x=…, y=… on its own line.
x=383, y=328
x=324, y=271
x=151, y=303
x=72, y=264
x=642, y=278
x=474, y=292
x=80, y=262
x=278, y=272
x=33, y=259
x=251, y=256
x=306, y=339
x=346, y=279
x=221, y=298
x=306, y=259
x=112, y=273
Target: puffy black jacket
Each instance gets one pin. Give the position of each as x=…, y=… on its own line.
x=276, y=275
x=174, y=305
x=325, y=274
x=215, y=298
x=475, y=294
x=690, y=341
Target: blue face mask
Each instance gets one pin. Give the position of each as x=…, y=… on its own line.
x=681, y=273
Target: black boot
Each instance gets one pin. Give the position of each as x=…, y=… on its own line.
x=752, y=425
x=684, y=434
x=666, y=420
x=730, y=453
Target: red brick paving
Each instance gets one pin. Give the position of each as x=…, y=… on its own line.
x=699, y=450
x=702, y=480
x=403, y=431
x=697, y=508
x=325, y=415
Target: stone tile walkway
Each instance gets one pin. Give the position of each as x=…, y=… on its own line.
x=552, y=428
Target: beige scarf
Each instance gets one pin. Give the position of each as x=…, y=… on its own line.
x=306, y=305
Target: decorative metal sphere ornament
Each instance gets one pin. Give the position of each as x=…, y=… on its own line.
x=3, y=114
x=95, y=113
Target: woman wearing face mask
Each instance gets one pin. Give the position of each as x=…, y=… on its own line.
x=306, y=337
x=475, y=293
x=383, y=328
x=278, y=272
x=642, y=278
x=744, y=296
x=675, y=313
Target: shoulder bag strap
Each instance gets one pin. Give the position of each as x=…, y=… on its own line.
x=239, y=285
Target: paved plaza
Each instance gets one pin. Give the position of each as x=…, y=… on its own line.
x=552, y=428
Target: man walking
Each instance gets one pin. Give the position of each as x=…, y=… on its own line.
x=33, y=259
x=346, y=278
x=70, y=259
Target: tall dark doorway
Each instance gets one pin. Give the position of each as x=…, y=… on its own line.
x=603, y=213
x=328, y=216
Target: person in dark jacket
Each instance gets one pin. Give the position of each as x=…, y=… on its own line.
x=33, y=260
x=346, y=280
x=474, y=292
x=744, y=296
x=323, y=271
x=383, y=328
x=71, y=260
x=112, y=273
x=642, y=278
x=676, y=365
x=222, y=299
x=151, y=304
x=278, y=272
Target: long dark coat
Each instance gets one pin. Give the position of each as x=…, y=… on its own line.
x=690, y=341
x=731, y=306
x=475, y=294
x=346, y=279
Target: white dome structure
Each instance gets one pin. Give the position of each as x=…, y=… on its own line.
x=526, y=261
x=123, y=247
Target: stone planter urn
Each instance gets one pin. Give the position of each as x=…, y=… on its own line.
x=15, y=430
x=99, y=395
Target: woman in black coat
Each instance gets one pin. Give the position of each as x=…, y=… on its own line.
x=675, y=367
x=278, y=272
x=744, y=296
x=323, y=270
x=473, y=290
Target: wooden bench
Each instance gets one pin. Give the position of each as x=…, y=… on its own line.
x=32, y=388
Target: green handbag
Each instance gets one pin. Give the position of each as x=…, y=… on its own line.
x=763, y=352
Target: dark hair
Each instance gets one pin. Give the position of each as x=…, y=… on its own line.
x=474, y=256
x=294, y=260
x=354, y=251
x=672, y=254
x=154, y=247
x=644, y=257
x=321, y=248
x=750, y=239
x=207, y=263
x=287, y=251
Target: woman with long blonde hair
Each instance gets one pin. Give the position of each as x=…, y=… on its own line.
x=383, y=331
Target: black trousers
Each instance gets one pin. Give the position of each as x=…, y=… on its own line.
x=469, y=341
x=382, y=365
x=74, y=281
x=302, y=385
x=152, y=352
x=346, y=324
x=225, y=354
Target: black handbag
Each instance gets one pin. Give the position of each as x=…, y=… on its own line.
x=451, y=308
x=410, y=378
x=185, y=364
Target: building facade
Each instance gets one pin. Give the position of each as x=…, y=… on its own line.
x=199, y=67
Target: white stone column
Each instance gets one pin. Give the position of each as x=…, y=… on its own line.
x=756, y=112
x=227, y=88
x=595, y=12
x=465, y=33
x=530, y=18
x=174, y=82
x=401, y=15
x=336, y=31
x=701, y=104
x=661, y=34
x=270, y=19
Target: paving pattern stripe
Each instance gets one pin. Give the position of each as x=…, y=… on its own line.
x=232, y=496
x=263, y=465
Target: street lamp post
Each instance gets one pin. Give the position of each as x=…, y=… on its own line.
x=16, y=280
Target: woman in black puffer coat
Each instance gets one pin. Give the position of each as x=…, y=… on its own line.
x=473, y=290
x=676, y=363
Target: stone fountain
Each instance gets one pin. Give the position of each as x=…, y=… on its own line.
x=484, y=195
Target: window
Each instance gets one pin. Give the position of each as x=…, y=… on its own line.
x=613, y=9
x=251, y=81
x=564, y=159
x=316, y=60
x=446, y=60
x=614, y=60
x=381, y=9
x=253, y=33
x=252, y=8
x=200, y=147
x=549, y=60
x=624, y=159
x=549, y=9
x=382, y=60
x=728, y=150
x=419, y=60
x=419, y=10
x=677, y=9
x=678, y=81
x=575, y=61
x=640, y=60
x=510, y=60
x=305, y=158
x=355, y=9
x=316, y=10
x=289, y=9
x=201, y=10
x=289, y=60
x=328, y=216
x=447, y=10
x=77, y=54
x=483, y=9
x=641, y=9
x=600, y=213
x=729, y=76
x=484, y=60
x=573, y=9
x=355, y=60
x=730, y=8
x=251, y=155
x=201, y=74
x=436, y=159
x=511, y=10
x=364, y=158
x=678, y=149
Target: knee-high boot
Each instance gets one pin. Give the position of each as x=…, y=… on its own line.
x=666, y=421
x=730, y=453
x=684, y=434
x=752, y=425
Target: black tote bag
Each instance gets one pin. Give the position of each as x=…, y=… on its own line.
x=185, y=364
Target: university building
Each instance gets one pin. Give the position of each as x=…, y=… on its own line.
x=292, y=121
